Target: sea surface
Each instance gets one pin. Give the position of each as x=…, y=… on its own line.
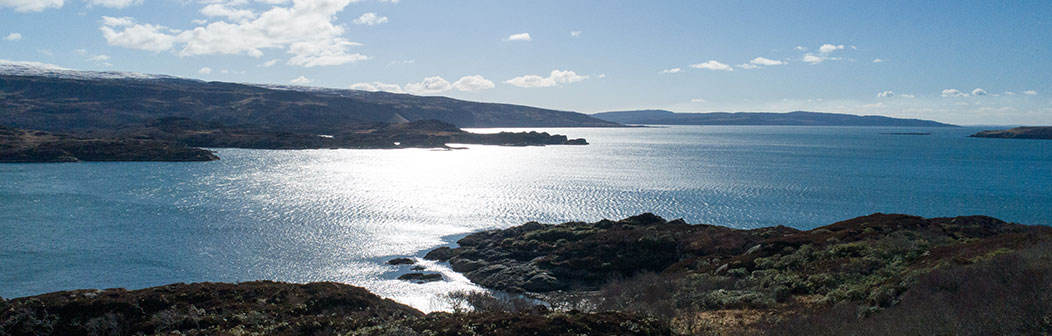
x=337, y=215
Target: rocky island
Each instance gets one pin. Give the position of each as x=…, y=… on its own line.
x=18, y=145
x=1017, y=133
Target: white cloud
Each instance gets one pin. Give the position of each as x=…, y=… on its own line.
x=301, y=80
x=766, y=61
x=978, y=92
x=697, y=100
x=370, y=19
x=270, y=63
x=81, y=52
x=748, y=66
x=13, y=37
x=31, y=5
x=114, y=3
x=906, y=95
x=205, y=71
x=136, y=36
x=429, y=85
x=520, y=37
x=886, y=94
x=377, y=86
x=877, y=60
x=712, y=65
x=473, y=83
x=221, y=10
x=953, y=93
x=815, y=59
x=801, y=48
x=555, y=78
x=1030, y=92
x=672, y=71
x=575, y=33
x=1009, y=93
x=306, y=30
x=99, y=58
x=828, y=48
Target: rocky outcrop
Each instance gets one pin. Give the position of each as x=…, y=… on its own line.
x=1017, y=133
x=17, y=145
x=542, y=258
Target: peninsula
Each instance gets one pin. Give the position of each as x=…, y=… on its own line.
x=1017, y=133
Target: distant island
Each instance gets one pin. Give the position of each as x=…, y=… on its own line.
x=1017, y=133
x=798, y=118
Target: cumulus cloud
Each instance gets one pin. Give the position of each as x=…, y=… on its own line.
x=672, y=71
x=301, y=80
x=205, y=71
x=31, y=5
x=766, y=61
x=377, y=86
x=712, y=65
x=306, y=30
x=370, y=19
x=886, y=94
x=555, y=78
x=221, y=10
x=270, y=63
x=748, y=66
x=473, y=83
x=520, y=37
x=1030, y=92
x=828, y=48
x=801, y=48
x=13, y=37
x=114, y=3
x=978, y=92
x=429, y=85
x=575, y=33
x=952, y=93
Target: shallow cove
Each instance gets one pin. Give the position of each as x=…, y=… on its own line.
x=313, y=215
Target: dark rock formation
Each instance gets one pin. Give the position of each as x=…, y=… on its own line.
x=17, y=145
x=401, y=261
x=1017, y=133
x=421, y=277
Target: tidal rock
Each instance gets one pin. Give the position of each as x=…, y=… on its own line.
x=421, y=277
x=401, y=261
x=439, y=254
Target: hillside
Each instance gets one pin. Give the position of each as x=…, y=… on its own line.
x=66, y=100
x=798, y=118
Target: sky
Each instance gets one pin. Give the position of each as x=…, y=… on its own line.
x=963, y=62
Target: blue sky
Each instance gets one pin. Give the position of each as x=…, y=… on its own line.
x=953, y=61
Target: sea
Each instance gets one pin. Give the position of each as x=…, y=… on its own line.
x=338, y=215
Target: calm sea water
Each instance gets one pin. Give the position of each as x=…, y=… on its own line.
x=336, y=215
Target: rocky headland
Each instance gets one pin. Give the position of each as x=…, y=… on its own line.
x=18, y=145
x=706, y=279
x=1017, y=133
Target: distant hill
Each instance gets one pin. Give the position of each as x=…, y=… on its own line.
x=1017, y=133
x=798, y=118
x=34, y=96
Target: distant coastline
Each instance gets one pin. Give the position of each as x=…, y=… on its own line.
x=797, y=118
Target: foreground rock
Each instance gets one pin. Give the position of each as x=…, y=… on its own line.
x=1017, y=133
x=712, y=279
x=273, y=308
x=17, y=145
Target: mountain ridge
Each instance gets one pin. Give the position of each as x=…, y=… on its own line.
x=794, y=118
